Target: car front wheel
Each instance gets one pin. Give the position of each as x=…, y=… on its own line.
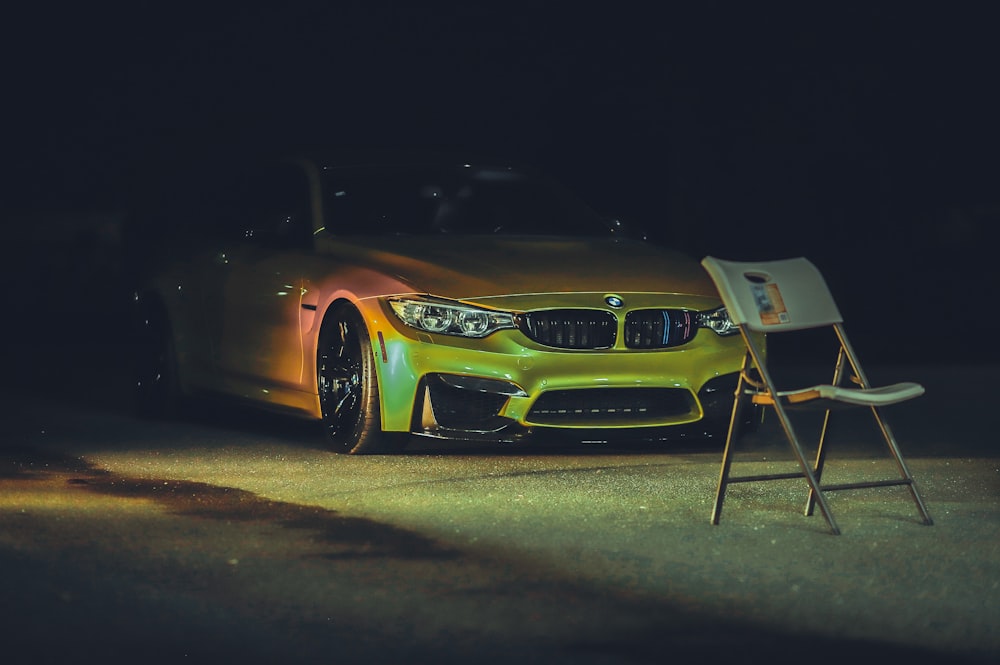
x=348, y=387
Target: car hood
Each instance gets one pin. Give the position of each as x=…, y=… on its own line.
x=468, y=267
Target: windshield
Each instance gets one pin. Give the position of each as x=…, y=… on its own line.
x=477, y=200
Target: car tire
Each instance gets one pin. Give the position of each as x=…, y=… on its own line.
x=348, y=387
x=155, y=390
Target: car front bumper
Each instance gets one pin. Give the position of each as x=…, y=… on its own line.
x=504, y=386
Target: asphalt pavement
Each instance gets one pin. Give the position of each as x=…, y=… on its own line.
x=230, y=537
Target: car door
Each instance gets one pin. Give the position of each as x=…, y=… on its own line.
x=254, y=303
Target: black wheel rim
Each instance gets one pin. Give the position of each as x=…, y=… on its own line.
x=341, y=381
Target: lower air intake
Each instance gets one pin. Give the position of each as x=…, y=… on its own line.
x=595, y=407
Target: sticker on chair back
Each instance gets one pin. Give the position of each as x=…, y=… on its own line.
x=769, y=303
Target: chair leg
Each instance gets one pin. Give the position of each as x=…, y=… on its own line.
x=838, y=374
x=807, y=471
x=904, y=471
x=820, y=461
x=727, y=460
x=720, y=493
x=739, y=400
x=906, y=478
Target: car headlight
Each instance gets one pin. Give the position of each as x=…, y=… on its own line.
x=450, y=318
x=718, y=321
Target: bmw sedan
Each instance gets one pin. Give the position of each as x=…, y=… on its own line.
x=437, y=298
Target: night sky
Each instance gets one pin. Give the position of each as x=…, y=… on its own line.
x=860, y=134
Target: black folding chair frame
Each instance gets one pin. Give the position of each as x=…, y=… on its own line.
x=766, y=392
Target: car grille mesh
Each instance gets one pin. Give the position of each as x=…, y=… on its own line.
x=571, y=328
x=609, y=406
x=659, y=328
x=598, y=329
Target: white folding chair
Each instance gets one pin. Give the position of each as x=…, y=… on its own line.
x=765, y=298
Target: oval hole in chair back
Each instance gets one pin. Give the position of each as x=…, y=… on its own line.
x=757, y=277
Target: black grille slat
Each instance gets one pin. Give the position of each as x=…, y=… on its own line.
x=571, y=328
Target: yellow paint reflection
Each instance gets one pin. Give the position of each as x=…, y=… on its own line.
x=61, y=492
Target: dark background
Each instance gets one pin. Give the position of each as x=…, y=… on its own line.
x=860, y=134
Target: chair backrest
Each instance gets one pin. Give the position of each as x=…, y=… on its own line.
x=774, y=296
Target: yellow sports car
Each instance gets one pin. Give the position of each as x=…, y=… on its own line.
x=435, y=298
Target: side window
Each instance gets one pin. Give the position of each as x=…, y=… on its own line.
x=266, y=206
x=279, y=211
x=381, y=202
x=345, y=204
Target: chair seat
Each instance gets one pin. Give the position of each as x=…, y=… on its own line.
x=880, y=396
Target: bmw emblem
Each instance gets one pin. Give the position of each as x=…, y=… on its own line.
x=614, y=301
